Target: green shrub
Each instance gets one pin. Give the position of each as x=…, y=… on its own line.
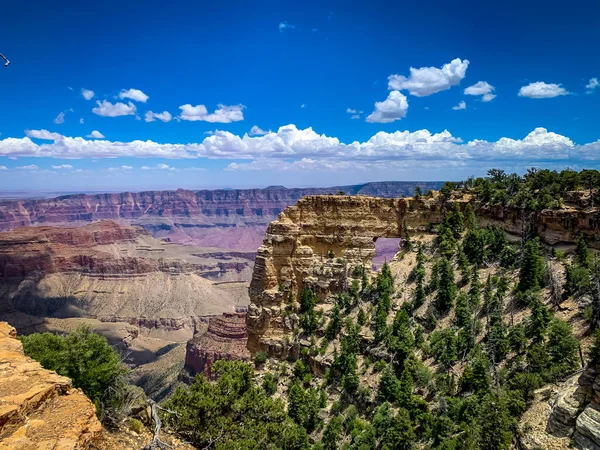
x=136, y=425
x=260, y=358
x=90, y=362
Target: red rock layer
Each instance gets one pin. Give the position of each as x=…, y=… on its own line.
x=225, y=338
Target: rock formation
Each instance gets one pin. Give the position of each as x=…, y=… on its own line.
x=38, y=408
x=224, y=338
x=318, y=242
x=103, y=271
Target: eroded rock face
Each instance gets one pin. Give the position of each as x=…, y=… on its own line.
x=38, y=408
x=319, y=242
x=106, y=271
x=224, y=338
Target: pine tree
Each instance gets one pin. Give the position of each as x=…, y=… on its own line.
x=405, y=389
x=446, y=241
x=595, y=294
x=463, y=264
x=475, y=290
x=470, y=218
x=495, y=423
x=332, y=433
x=419, y=295
x=532, y=267
x=308, y=316
x=335, y=323
x=582, y=253
x=562, y=348
x=350, y=379
x=388, y=386
x=446, y=288
x=407, y=244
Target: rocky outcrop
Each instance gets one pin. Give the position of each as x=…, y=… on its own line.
x=38, y=408
x=224, y=338
x=318, y=242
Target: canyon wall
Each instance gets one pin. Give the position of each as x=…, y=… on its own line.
x=234, y=219
x=224, y=338
x=320, y=240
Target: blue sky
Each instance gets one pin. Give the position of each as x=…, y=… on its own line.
x=326, y=87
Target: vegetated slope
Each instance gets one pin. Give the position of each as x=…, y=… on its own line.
x=446, y=347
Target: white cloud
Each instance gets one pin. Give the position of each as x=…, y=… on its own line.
x=592, y=85
x=165, y=116
x=95, y=135
x=30, y=167
x=539, y=89
x=288, y=145
x=302, y=105
x=43, y=134
x=107, y=109
x=355, y=114
x=158, y=167
x=482, y=88
x=391, y=109
x=134, y=94
x=60, y=118
x=285, y=26
x=120, y=169
x=461, y=105
x=87, y=94
x=224, y=114
x=63, y=166
x=69, y=88
x=81, y=121
x=430, y=80
x=257, y=131
x=3, y=168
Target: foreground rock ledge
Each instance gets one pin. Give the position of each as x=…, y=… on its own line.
x=40, y=409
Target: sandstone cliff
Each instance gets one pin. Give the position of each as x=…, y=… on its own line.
x=38, y=408
x=225, y=337
x=322, y=239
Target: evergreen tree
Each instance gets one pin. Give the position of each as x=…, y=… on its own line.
x=388, y=386
x=532, y=267
x=562, y=348
x=455, y=220
x=335, y=323
x=407, y=244
x=463, y=264
x=470, y=218
x=308, y=315
x=495, y=423
x=475, y=290
x=419, y=295
x=538, y=320
x=350, y=379
x=405, y=389
x=446, y=288
x=332, y=433
x=446, y=241
x=474, y=246
x=595, y=295
x=361, y=317
x=582, y=253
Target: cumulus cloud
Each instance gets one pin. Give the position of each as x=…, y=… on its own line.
x=461, y=105
x=592, y=85
x=120, y=169
x=354, y=114
x=3, y=168
x=133, y=94
x=539, y=89
x=302, y=105
x=285, y=26
x=290, y=148
x=43, y=134
x=257, y=131
x=107, y=109
x=63, y=167
x=81, y=121
x=95, y=135
x=224, y=113
x=30, y=167
x=87, y=94
x=165, y=116
x=430, y=80
x=158, y=167
x=391, y=109
x=482, y=88
x=60, y=118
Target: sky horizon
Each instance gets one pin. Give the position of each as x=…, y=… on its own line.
x=196, y=95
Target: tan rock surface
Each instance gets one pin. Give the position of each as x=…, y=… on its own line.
x=39, y=409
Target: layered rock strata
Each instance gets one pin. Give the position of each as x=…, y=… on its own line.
x=224, y=338
x=38, y=408
x=319, y=242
